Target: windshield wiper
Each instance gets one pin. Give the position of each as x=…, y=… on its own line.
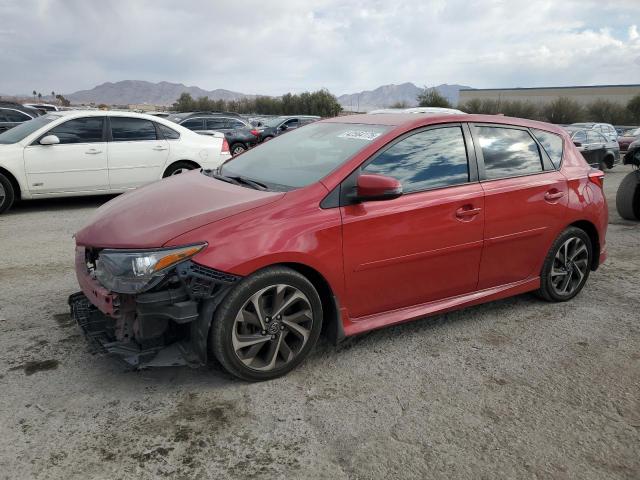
x=248, y=181
x=237, y=180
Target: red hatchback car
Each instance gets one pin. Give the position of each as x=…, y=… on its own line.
x=344, y=225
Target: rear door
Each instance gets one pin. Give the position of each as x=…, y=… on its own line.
x=77, y=164
x=426, y=244
x=137, y=152
x=525, y=203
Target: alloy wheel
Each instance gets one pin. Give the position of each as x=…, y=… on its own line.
x=238, y=150
x=3, y=194
x=178, y=171
x=570, y=266
x=272, y=327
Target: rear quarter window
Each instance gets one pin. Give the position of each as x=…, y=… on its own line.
x=552, y=144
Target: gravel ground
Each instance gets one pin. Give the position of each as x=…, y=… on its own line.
x=512, y=389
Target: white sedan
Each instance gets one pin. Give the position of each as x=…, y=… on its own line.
x=74, y=153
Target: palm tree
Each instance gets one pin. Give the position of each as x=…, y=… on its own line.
x=53, y=94
x=39, y=97
x=34, y=95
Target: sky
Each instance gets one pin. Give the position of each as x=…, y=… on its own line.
x=272, y=47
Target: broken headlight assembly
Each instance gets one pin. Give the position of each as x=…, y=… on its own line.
x=134, y=271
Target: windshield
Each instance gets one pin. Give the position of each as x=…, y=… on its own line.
x=303, y=156
x=15, y=134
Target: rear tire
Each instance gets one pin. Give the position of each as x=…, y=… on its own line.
x=237, y=149
x=7, y=193
x=566, y=267
x=628, y=197
x=178, y=168
x=267, y=324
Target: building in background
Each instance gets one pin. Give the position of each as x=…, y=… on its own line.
x=620, y=94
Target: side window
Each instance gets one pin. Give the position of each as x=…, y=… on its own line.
x=215, y=123
x=126, y=129
x=233, y=123
x=293, y=123
x=552, y=144
x=193, y=124
x=167, y=132
x=508, y=152
x=79, y=130
x=595, y=137
x=429, y=159
x=580, y=137
x=15, y=116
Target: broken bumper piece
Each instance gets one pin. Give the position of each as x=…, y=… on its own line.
x=167, y=326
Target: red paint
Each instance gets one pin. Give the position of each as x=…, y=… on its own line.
x=385, y=261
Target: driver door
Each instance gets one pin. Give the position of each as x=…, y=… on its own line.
x=425, y=245
x=77, y=164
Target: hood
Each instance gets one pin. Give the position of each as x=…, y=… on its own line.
x=152, y=215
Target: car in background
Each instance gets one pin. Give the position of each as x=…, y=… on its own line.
x=627, y=138
x=240, y=134
x=272, y=127
x=44, y=107
x=606, y=129
x=419, y=110
x=344, y=226
x=597, y=150
x=75, y=153
x=160, y=114
x=13, y=114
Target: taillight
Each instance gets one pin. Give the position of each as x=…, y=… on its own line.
x=225, y=146
x=255, y=132
x=597, y=177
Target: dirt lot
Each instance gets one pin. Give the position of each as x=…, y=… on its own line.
x=513, y=389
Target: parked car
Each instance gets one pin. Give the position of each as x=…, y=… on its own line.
x=13, y=114
x=628, y=194
x=597, y=150
x=628, y=137
x=240, y=134
x=606, y=129
x=75, y=153
x=44, y=107
x=272, y=127
x=344, y=226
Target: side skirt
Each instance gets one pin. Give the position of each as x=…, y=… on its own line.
x=354, y=326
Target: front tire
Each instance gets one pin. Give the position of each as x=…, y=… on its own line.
x=566, y=267
x=7, y=193
x=267, y=325
x=628, y=197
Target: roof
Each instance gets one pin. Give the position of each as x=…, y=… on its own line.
x=413, y=120
x=547, y=88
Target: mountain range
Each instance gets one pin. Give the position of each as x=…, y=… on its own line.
x=166, y=93
x=388, y=95
x=138, y=91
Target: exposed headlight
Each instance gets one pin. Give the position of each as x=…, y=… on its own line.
x=134, y=271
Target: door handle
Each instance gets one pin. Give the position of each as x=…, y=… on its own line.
x=467, y=212
x=553, y=195
x=93, y=151
x=159, y=148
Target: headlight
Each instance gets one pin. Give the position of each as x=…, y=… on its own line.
x=134, y=271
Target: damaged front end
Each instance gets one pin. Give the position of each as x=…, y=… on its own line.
x=165, y=324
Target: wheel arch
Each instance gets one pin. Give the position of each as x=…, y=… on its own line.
x=14, y=182
x=190, y=162
x=332, y=325
x=591, y=230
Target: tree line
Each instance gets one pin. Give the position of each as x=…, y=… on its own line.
x=562, y=110
x=321, y=103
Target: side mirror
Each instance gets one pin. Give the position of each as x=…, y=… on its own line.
x=377, y=187
x=577, y=144
x=50, y=140
x=283, y=127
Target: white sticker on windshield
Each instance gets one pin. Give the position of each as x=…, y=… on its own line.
x=360, y=135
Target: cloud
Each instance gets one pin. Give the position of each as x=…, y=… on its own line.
x=273, y=47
